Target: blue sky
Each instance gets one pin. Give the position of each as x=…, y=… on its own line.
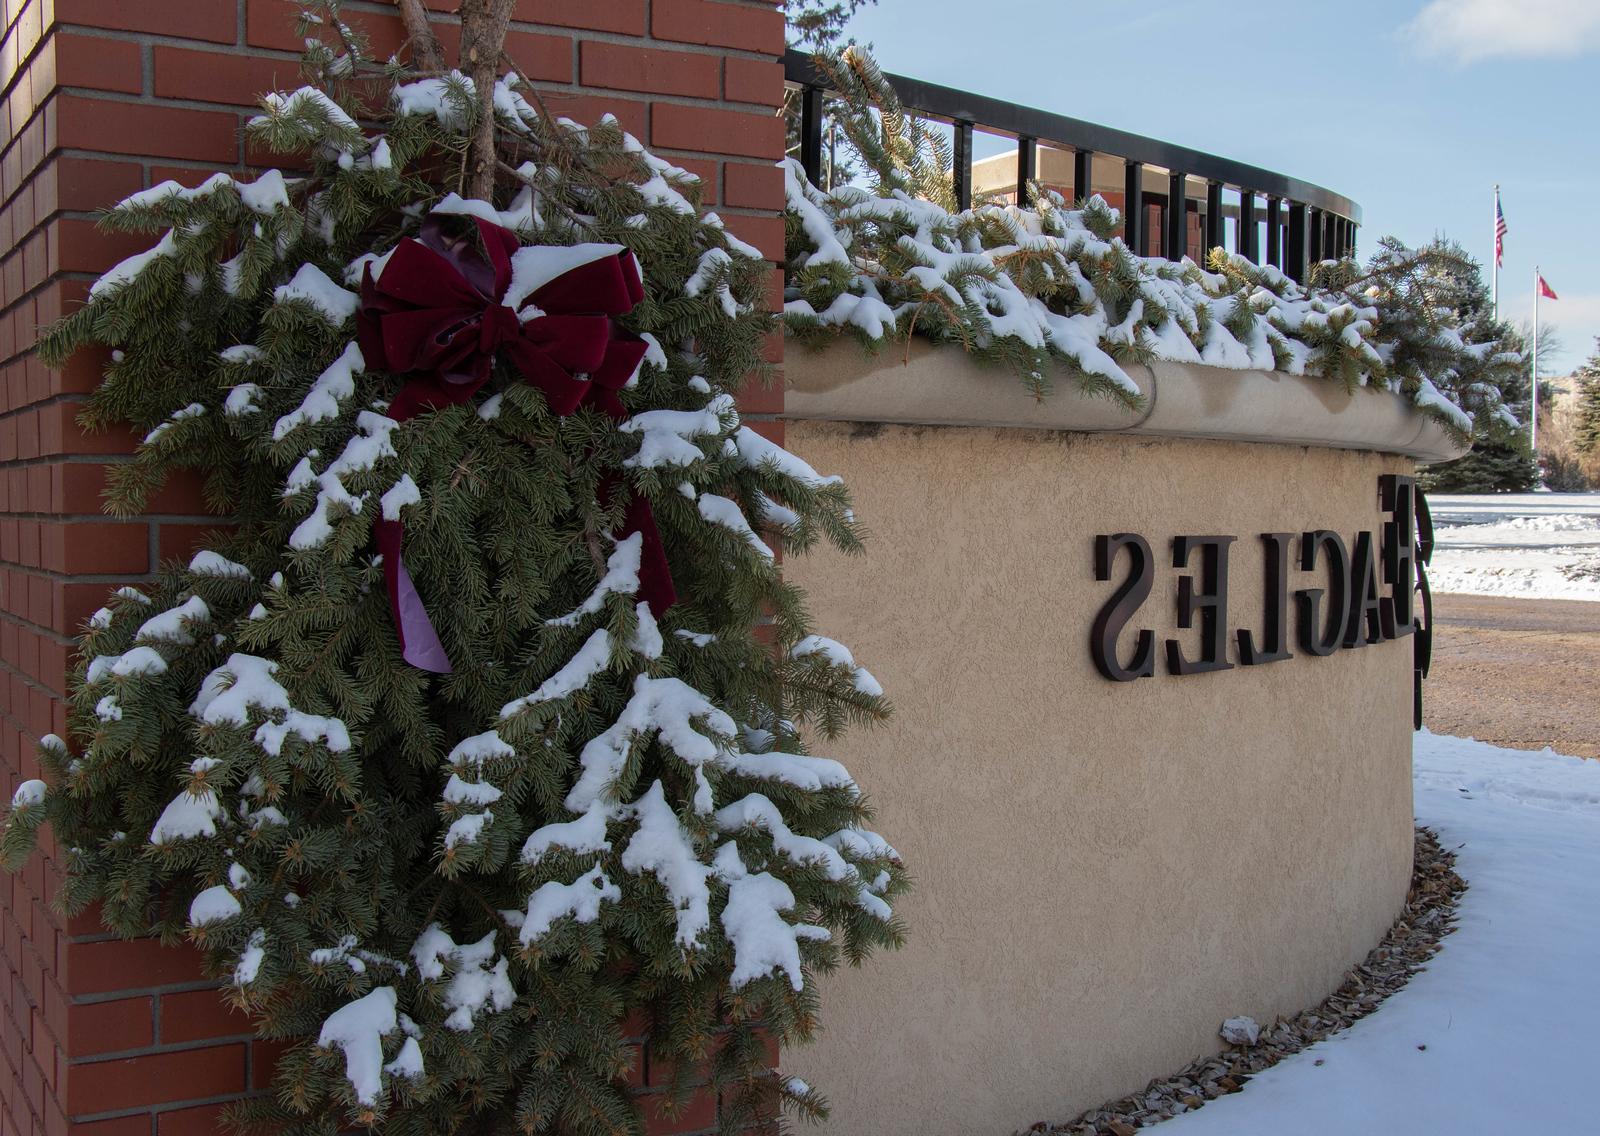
x=1414, y=108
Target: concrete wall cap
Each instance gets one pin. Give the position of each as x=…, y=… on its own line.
x=934, y=385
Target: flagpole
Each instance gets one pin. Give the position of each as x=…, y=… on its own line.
x=1496, y=245
x=1537, y=280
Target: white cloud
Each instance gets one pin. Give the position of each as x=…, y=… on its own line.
x=1469, y=30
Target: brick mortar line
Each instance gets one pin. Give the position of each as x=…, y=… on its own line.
x=108, y=578
x=162, y=39
x=33, y=683
x=156, y=1110
x=60, y=398
x=60, y=638
x=555, y=31
x=146, y=162
x=101, y=518
x=53, y=278
x=372, y=8
x=24, y=62
x=93, y=937
x=159, y=1049
x=715, y=102
x=38, y=171
x=102, y=996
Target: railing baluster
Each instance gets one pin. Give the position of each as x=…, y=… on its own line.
x=1314, y=229
x=1247, y=243
x=811, y=108
x=1294, y=256
x=1275, y=232
x=1216, y=231
x=1177, y=243
x=1083, y=175
x=1133, y=207
x=1331, y=232
x=963, y=165
x=1027, y=168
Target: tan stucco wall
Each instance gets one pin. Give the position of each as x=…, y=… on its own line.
x=1105, y=870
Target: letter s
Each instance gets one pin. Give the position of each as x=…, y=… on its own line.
x=1122, y=606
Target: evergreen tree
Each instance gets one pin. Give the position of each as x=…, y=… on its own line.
x=1586, y=428
x=1441, y=309
x=463, y=390
x=1491, y=466
x=818, y=24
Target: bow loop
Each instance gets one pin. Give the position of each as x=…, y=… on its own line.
x=443, y=308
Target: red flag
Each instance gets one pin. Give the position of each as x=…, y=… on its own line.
x=1546, y=291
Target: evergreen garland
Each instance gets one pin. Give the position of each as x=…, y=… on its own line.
x=449, y=891
x=1052, y=289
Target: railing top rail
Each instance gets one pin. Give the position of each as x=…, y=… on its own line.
x=947, y=104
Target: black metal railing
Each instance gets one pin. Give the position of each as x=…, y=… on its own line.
x=1304, y=223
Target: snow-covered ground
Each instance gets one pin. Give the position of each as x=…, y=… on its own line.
x=1528, y=545
x=1498, y=1035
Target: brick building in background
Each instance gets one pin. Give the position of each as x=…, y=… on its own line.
x=104, y=97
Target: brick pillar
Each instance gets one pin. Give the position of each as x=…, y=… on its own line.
x=104, y=97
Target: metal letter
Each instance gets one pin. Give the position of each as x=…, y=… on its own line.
x=1124, y=602
x=1397, y=495
x=1210, y=600
x=1365, y=603
x=1323, y=637
x=1275, y=605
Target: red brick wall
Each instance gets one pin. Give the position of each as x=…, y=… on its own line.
x=103, y=97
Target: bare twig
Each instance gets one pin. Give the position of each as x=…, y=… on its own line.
x=425, y=50
x=528, y=88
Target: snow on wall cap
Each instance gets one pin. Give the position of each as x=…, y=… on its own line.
x=942, y=385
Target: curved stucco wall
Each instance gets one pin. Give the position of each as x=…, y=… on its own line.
x=1105, y=871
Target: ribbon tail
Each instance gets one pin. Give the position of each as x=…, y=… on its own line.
x=419, y=642
x=655, y=575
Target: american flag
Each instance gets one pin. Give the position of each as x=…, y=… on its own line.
x=1499, y=234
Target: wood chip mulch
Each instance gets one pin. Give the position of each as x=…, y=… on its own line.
x=1429, y=915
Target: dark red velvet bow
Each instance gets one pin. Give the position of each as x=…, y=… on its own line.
x=438, y=308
